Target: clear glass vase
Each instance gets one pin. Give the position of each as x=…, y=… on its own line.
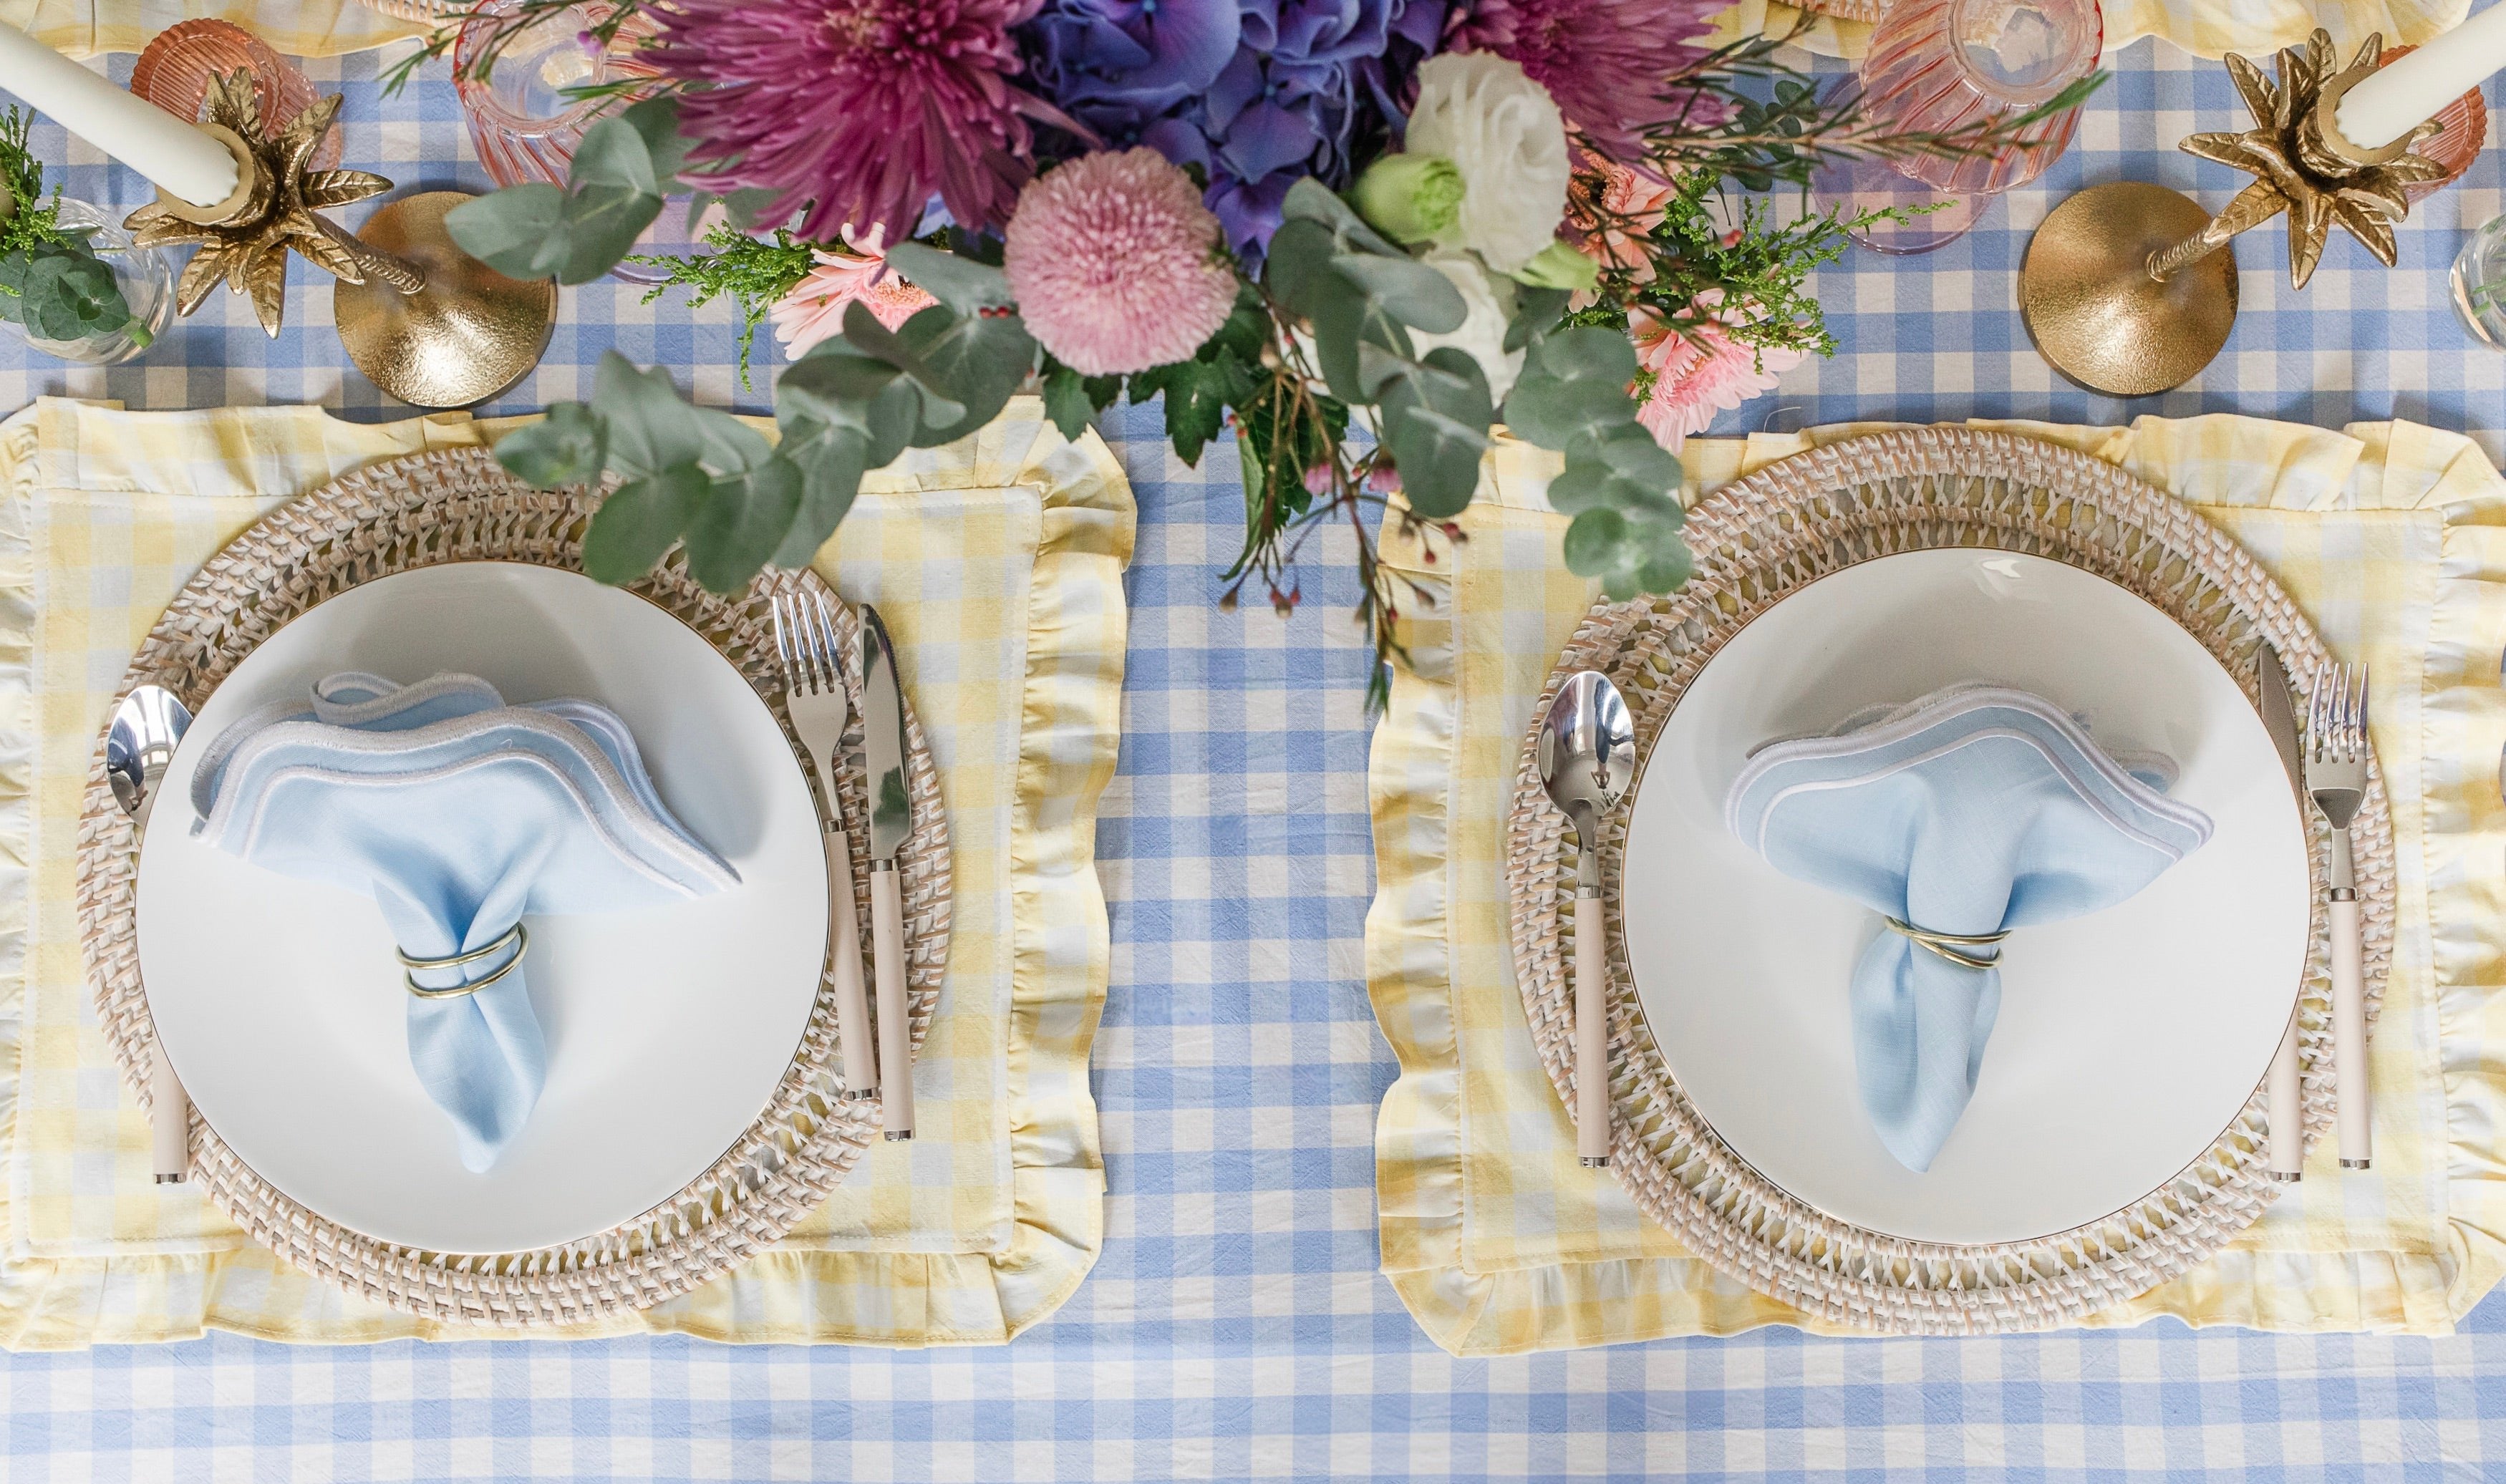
x=145, y=275
x=2479, y=280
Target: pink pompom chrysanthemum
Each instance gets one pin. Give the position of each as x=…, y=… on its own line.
x=858, y=110
x=814, y=309
x=1699, y=369
x=1608, y=63
x=1116, y=264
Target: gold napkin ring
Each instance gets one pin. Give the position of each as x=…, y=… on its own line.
x=1948, y=946
x=517, y=936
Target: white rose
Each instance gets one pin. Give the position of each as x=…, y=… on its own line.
x=1483, y=333
x=1503, y=133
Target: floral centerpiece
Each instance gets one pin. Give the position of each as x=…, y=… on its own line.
x=1359, y=233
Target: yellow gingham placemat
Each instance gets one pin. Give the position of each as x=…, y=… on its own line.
x=2390, y=536
x=2205, y=27
x=2209, y=29
x=291, y=27
x=998, y=563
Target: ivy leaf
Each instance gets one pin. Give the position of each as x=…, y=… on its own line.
x=636, y=526
x=1436, y=416
x=1197, y=395
x=961, y=283
x=568, y=447
x=742, y=525
x=1072, y=400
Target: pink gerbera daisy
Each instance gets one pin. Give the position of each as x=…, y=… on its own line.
x=858, y=110
x=1609, y=63
x=1617, y=220
x=814, y=308
x=1699, y=369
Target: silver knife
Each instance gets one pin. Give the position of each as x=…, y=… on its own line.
x=891, y=820
x=2283, y=1091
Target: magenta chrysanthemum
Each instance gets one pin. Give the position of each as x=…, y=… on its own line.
x=859, y=110
x=1116, y=264
x=1608, y=62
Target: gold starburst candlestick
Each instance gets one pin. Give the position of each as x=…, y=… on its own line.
x=425, y=321
x=2125, y=287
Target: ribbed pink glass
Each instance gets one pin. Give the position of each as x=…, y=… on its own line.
x=1938, y=66
x=524, y=126
x=174, y=73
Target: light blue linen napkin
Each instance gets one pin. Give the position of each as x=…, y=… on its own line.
x=1971, y=811
x=458, y=814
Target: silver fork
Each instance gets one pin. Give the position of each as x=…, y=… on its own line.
x=813, y=695
x=2336, y=774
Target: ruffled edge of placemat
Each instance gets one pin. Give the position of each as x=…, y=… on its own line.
x=1069, y=739
x=2462, y=837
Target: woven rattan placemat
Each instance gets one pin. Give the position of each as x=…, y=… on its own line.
x=460, y=506
x=1757, y=542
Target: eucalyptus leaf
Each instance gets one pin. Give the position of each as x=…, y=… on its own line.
x=1299, y=251
x=655, y=122
x=614, y=152
x=1552, y=412
x=977, y=360
x=640, y=520
x=961, y=283
x=1435, y=422
x=519, y=232
x=1586, y=352
x=1310, y=201
x=742, y=525
x=835, y=387
x=831, y=460
x=600, y=228
x=1418, y=295
x=568, y=447
x=650, y=427
x=1536, y=312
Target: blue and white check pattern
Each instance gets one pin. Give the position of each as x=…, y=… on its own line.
x=1236, y=1326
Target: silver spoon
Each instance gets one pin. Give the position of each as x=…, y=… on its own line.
x=138, y=748
x=1587, y=759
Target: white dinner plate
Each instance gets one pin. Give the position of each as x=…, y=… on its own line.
x=281, y=1004
x=2128, y=1039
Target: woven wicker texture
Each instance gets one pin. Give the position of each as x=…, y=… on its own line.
x=460, y=506
x=1758, y=540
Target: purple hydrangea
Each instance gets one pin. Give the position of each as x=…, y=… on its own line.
x=1255, y=92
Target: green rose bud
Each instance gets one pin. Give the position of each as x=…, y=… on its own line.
x=1410, y=197
x=1560, y=267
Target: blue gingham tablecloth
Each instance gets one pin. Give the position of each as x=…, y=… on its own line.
x=1236, y=1326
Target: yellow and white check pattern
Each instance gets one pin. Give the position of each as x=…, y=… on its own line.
x=2209, y=29
x=2206, y=28
x=291, y=27
x=998, y=563
x=2392, y=539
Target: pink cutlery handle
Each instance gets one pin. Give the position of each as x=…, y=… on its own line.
x=1592, y=1034
x=852, y=1000
x=2352, y=1106
x=895, y=1028
x=169, y=1121
x=2287, y=1096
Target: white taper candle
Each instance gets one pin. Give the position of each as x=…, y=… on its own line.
x=180, y=158
x=2416, y=88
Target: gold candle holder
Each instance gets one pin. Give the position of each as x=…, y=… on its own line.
x=2125, y=289
x=425, y=321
